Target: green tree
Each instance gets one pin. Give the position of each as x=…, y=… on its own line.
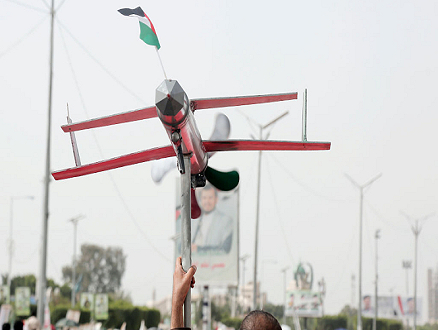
x=101, y=269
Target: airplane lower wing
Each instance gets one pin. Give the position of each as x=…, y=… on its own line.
x=130, y=159
x=195, y=104
x=248, y=145
x=168, y=151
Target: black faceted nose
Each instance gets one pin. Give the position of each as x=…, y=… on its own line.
x=170, y=98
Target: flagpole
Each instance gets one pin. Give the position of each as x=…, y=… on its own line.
x=161, y=62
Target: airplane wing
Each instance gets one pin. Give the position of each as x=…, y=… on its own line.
x=247, y=145
x=130, y=159
x=124, y=117
x=195, y=104
x=222, y=102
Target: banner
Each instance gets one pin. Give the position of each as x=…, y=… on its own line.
x=391, y=307
x=101, y=309
x=303, y=303
x=22, y=301
x=4, y=295
x=215, y=236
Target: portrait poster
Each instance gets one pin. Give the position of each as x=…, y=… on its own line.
x=101, y=306
x=215, y=236
x=4, y=294
x=303, y=303
x=87, y=301
x=22, y=301
x=391, y=307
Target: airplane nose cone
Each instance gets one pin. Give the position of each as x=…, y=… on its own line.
x=170, y=98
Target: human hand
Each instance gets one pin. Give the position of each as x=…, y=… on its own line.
x=182, y=281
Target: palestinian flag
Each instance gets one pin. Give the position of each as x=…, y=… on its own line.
x=147, y=30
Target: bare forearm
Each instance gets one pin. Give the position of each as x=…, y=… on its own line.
x=176, y=319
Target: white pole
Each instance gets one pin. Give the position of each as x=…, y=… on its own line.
x=361, y=188
x=43, y=264
x=161, y=62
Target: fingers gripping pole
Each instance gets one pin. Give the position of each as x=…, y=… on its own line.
x=186, y=231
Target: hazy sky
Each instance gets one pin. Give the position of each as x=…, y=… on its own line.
x=371, y=72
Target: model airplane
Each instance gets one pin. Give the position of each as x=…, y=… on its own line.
x=175, y=110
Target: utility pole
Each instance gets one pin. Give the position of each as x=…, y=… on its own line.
x=243, y=259
x=377, y=236
x=361, y=189
x=407, y=265
x=44, y=237
x=284, y=270
x=11, y=237
x=416, y=230
x=261, y=128
x=74, y=221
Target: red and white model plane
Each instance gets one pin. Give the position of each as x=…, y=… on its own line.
x=175, y=110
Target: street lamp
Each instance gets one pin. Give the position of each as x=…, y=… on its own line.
x=74, y=221
x=261, y=128
x=416, y=230
x=407, y=264
x=361, y=189
x=377, y=236
x=243, y=259
x=269, y=261
x=11, y=241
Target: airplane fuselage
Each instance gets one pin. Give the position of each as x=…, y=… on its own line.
x=173, y=109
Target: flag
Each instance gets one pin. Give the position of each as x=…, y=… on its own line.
x=147, y=30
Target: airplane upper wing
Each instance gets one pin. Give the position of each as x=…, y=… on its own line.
x=130, y=159
x=124, y=117
x=247, y=145
x=222, y=102
x=195, y=104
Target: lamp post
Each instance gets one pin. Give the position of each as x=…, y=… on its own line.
x=243, y=259
x=11, y=240
x=416, y=230
x=407, y=265
x=377, y=236
x=284, y=270
x=74, y=221
x=270, y=261
x=361, y=189
x=261, y=128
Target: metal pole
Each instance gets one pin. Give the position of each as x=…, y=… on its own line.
x=75, y=224
x=186, y=231
x=73, y=281
x=43, y=264
x=361, y=188
x=359, y=310
x=376, y=292
x=11, y=244
x=254, y=291
x=304, y=129
x=407, y=265
x=416, y=232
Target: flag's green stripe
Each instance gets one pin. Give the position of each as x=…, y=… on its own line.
x=148, y=36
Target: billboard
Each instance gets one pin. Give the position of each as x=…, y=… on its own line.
x=4, y=294
x=214, y=236
x=391, y=307
x=87, y=301
x=22, y=301
x=101, y=306
x=303, y=303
